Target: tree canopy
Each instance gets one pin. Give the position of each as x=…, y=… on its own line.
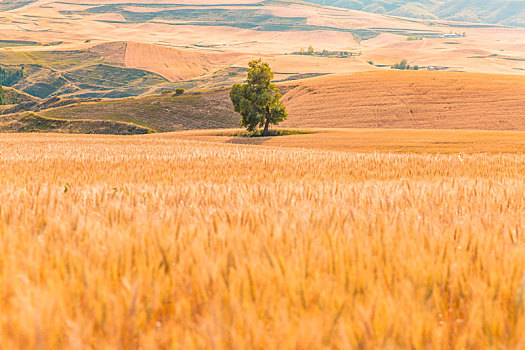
x=258, y=100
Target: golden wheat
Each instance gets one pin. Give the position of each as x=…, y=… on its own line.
x=151, y=242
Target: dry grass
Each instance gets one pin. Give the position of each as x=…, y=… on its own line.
x=409, y=99
x=151, y=242
x=378, y=140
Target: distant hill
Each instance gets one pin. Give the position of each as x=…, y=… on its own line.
x=503, y=12
x=98, y=71
x=6, y=5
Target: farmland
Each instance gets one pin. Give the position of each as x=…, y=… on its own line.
x=116, y=49
x=421, y=141
x=386, y=212
x=151, y=241
x=393, y=99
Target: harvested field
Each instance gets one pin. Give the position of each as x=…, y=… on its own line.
x=152, y=242
x=378, y=140
x=402, y=99
x=175, y=64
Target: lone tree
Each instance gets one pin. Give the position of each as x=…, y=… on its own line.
x=258, y=100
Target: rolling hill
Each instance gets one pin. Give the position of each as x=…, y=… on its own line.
x=503, y=12
x=391, y=99
x=98, y=48
x=59, y=54
x=418, y=100
x=210, y=109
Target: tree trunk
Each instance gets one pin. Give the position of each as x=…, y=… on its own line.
x=267, y=122
x=266, y=126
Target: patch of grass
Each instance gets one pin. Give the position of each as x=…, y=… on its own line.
x=53, y=59
x=271, y=133
x=302, y=76
x=107, y=76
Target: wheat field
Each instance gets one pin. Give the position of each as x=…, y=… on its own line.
x=153, y=242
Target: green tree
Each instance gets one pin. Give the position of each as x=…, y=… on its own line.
x=258, y=100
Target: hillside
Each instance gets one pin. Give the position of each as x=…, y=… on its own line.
x=209, y=109
x=35, y=123
x=502, y=12
x=385, y=99
x=15, y=97
x=401, y=99
x=95, y=71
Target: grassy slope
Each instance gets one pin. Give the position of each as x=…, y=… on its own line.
x=200, y=110
x=13, y=96
x=35, y=123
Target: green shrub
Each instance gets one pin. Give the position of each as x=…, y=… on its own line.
x=179, y=91
x=401, y=65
